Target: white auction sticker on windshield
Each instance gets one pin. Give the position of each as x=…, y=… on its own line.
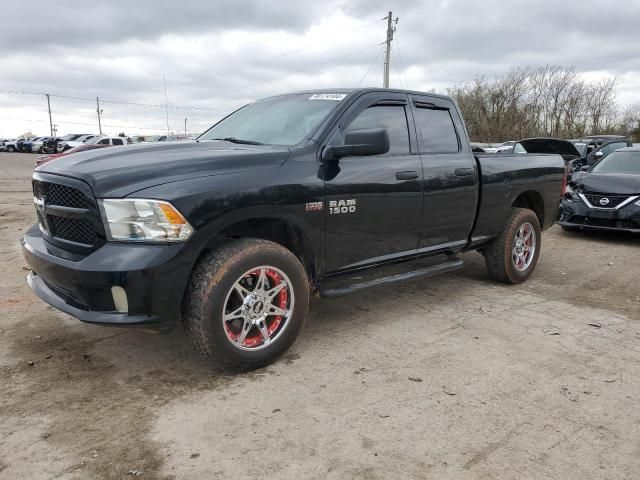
x=328, y=96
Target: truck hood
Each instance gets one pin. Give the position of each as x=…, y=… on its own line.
x=121, y=171
x=609, y=183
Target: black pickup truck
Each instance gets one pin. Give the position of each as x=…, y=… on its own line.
x=315, y=192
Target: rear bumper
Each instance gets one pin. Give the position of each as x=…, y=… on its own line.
x=153, y=277
x=575, y=214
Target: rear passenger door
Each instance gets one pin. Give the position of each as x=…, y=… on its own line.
x=373, y=204
x=450, y=182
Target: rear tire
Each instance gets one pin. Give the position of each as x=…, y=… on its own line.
x=11, y=149
x=512, y=256
x=228, y=309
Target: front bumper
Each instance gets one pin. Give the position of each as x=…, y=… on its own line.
x=153, y=277
x=575, y=214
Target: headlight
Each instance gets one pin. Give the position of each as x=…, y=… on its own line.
x=144, y=220
x=570, y=194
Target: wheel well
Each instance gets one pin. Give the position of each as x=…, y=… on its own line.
x=276, y=230
x=533, y=201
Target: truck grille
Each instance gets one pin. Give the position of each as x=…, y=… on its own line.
x=78, y=228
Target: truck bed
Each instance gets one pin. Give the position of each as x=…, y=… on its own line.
x=505, y=178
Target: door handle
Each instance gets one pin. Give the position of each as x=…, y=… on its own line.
x=408, y=175
x=463, y=172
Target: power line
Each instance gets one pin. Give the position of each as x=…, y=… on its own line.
x=280, y=55
x=83, y=124
x=118, y=102
x=311, y=67
x=404, y=69
x=375, y=59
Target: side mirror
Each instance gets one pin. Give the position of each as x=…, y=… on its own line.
x=584, y=168
x=599, y=154
x=360, y=143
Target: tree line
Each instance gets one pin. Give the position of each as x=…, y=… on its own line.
x=546, y=101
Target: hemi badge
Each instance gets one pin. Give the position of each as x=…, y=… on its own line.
x=314, y=206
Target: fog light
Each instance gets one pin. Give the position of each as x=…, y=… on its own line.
x=120, y=299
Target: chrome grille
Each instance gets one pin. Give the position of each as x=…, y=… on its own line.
x=612, y=201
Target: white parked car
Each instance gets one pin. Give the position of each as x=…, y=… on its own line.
x=12, y=145
x=37, y=144
x=76, y=139
x=105, y=140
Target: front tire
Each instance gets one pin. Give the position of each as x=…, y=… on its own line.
x=246, y=303
x=11, y=149
x=513, y=255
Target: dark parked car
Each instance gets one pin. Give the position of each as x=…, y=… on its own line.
x=327, y=192
x=51, y=144
x=597, y=151
x=606, y=196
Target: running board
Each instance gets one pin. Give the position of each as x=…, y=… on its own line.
x=343, y=285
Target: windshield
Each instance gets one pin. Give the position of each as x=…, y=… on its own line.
x=283, y=120
x=619, y=162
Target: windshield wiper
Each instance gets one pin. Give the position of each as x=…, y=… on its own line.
x=239, y=140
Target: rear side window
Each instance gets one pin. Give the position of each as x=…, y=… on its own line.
x=393, y=118
x=607, y=149
x=436, y=131
x=117, y=141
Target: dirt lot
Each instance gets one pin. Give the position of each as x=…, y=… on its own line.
x=449, y=377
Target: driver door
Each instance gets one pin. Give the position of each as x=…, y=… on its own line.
x=373, y=204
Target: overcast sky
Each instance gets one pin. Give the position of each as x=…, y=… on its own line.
x=218, y=55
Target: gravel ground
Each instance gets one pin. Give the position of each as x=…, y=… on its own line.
x=448, y=377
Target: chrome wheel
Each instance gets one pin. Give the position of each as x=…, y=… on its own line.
x=258, y=307
x=524, y=247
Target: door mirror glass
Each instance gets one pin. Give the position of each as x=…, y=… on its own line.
x=584, y=168
x=359, y=143
x=598, y=154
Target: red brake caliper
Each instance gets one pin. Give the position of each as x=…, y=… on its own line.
x=274, y=321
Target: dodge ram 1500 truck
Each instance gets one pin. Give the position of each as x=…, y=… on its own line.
x=314, y=192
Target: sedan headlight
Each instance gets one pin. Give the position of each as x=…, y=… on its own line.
x=144, y=220
x=570, y=194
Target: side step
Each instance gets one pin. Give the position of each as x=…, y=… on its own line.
x=345, y=284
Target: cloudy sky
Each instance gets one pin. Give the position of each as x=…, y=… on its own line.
x=218, y=55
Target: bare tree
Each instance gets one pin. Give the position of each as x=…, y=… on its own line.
x=544, y=101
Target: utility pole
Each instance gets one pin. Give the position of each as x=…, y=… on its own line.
x=49, y=107
x=387, y=56
x=99, y=114
x=185, y=127
x=54, y=130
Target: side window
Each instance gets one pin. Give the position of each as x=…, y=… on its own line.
x=518, y=148
x=436, y=129
x=118, y=141
x=104, y=141
x=393, y=118
x=607, y=149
